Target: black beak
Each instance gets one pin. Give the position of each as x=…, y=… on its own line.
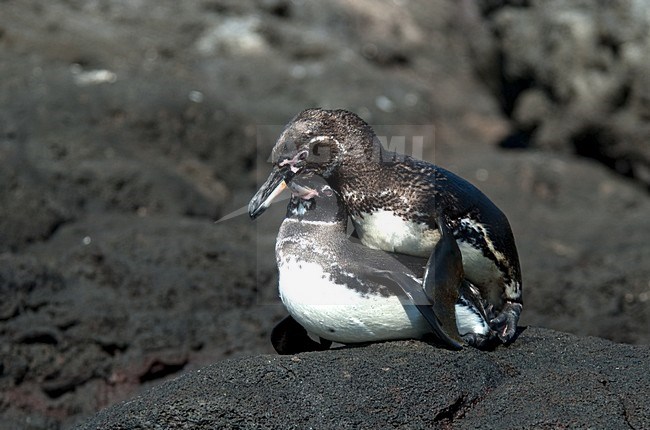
x=276, y=182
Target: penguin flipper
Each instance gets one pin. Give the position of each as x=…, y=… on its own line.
x=413, y=290
x=443, y=277
x=289, y=337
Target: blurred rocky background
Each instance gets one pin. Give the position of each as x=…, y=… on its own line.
x=127, y=128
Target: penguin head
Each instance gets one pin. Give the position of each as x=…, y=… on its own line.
x=315, y=142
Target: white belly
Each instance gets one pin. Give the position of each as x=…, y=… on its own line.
x=478, y=269
x=335, y=312
x=384, y=230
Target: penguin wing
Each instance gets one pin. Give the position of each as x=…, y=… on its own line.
x=443, y=277
x=416, y=295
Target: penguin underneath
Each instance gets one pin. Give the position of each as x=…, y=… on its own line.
x=395, y=203
x=342, y=291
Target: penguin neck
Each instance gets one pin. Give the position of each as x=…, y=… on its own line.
x=323, y=213
x=363, y=160
x=360, y=179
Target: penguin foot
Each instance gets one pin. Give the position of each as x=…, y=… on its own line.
x=481, y=341
x=505, y=324
x=289, y=337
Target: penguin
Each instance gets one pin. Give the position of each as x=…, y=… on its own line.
x=395, y=203
x=343, y=291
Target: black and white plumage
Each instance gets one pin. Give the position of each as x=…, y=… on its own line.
x=343, y=291
x=395, y=201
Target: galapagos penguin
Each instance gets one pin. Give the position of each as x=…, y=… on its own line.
x=395, y=203
x=342, y=291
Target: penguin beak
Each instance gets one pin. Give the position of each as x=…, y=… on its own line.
x=274, y=185
x=280, y=177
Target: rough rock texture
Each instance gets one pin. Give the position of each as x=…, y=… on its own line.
x=573, y=76
x=546, y=379
x=128, y=128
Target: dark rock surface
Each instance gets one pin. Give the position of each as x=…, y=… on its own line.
x=546, y=379
x=573, y=75
x=128, y=128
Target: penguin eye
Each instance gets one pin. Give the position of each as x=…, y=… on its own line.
x=320, y=148
x=327, y=191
